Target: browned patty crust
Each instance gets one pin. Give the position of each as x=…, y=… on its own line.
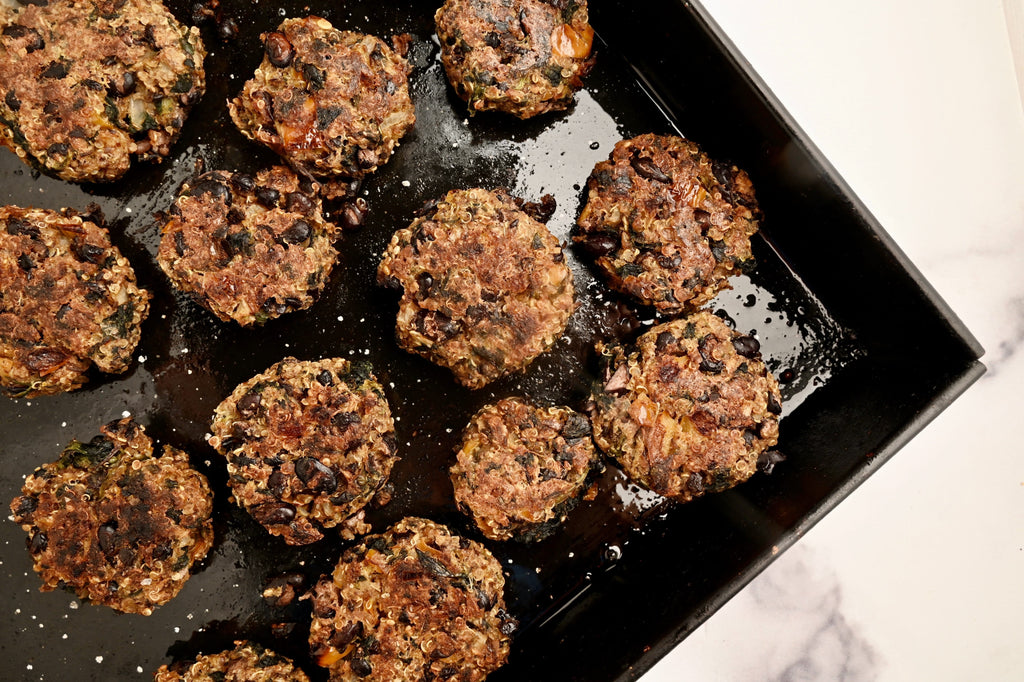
x=331, y=103
x=520, y=469
x=308, y=445
x=115, y=524
x=247, y=662
x=665, y=223
x=523, y=57
x=485, y=286
x=89, y=84
x=249, y=249
x=689, y=409
x=413, y=603
x=69, y=301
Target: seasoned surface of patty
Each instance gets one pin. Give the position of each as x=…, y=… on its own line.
x=331, y=103
x=114, y=523
x=69, y=301
x=689, y=409
x=485, y=286
x=248, y=249
x=523, y=57
x=520, y=469
x=308, y=445
x=413, y=603
x=247, y=662
x=665, y=223
x=89, y=84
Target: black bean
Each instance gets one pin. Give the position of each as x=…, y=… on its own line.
x=774, y=406
x=55, y=69
x=15, y=31
x=343, y=420
x=695, y=484
x=325, y=378
x=106, y=537
x=273, y=307
x=163, y=551
x=57, y=149
x=599, y=245
x=51, y=109
x=235, y=216
x=35, y=41
x=425, y=283
x=723, y=172
x=576, y=426
x=90, y=252
x=547, y=474
x=707, y=362
x=670, y=262
x=542, y=210
x=419, y=237
x=243, y=183
x=361, y=667
x=346, y=633
x=268, y=196
x=123, y=86
x=297, y=233
x=646, y=168
x=274, y=513
x=449, y=328
x=316, y=78
x=316, y=475
x=249, y=404
x=23, y=507
x=664, y=340
x=149, y=36
x=747, y=346
x=279, y=50
x=215, y=188
x=25, y=262
x=484, y=600
x=237, y=243
x=352, y=216
x=38, y=542
x=12, y=101
x=297, y=202
x=277, y=482
x=718, y=249
x=767, y=460
x=508, y=624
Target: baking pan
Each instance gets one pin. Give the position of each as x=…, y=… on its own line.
x=866, y=351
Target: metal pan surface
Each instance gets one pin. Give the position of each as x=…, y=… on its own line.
x=866, y=351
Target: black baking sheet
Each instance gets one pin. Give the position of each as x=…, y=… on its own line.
x=867, y=351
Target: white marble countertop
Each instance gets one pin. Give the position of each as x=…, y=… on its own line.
x=919, y=574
